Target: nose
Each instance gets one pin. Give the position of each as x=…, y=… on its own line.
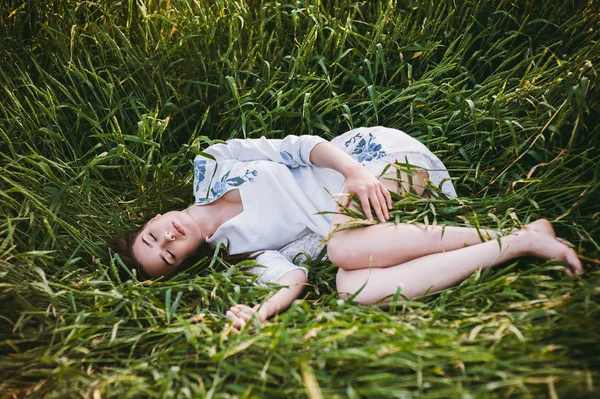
x=169, y=236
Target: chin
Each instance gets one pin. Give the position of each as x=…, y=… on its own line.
x=192, y=231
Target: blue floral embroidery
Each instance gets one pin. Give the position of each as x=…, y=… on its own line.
x=367, y=149
x=221, y=187
x=199, y=171
x=353, y=139
x=218, y=189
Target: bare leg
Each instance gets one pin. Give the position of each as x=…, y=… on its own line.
x=389, y=244
x=442, y=270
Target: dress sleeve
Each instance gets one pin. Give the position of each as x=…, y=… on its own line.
x=292, y=151
x=273, y=266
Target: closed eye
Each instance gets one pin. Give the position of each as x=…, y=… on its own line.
x=159, y=255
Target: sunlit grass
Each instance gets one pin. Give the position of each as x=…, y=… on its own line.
x=104, y=104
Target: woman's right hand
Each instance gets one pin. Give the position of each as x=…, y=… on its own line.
x=293, y=284
x=240, y=315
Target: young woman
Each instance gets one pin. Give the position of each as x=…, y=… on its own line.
x=257, y=196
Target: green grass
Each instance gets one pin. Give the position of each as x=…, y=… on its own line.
x=104, y=104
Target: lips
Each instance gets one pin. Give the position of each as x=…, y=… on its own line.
x=178, y=228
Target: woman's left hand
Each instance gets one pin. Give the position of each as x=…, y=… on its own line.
x=371, y=193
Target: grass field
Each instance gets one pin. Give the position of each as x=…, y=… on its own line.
x=103, y=105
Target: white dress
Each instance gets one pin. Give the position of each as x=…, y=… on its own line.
x=286, y=198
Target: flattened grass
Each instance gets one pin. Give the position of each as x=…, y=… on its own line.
x=103, y=106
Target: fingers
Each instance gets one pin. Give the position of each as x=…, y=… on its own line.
x=227, y=327
x=380, y=200
x=239, y=315
x=236, y=322
x=388, y=197
x=372, y=194
x=364, y=202
x=345, y=200
x=384, y=205
x=377, y=206
x=377, y=199
x=244, y=307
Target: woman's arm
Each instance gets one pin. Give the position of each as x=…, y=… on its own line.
x=294, y=281
x=370, y=191
x=292, y=151
x=295, y=151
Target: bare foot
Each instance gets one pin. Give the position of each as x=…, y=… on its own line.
x=544, y=225
x=545, y=245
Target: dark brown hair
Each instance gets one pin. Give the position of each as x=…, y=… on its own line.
x=123, y=246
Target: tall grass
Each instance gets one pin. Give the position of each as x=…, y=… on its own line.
x=104, y=104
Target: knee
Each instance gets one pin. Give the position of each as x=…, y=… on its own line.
x=338, y=253
x=346, y=286
x=342, y=284
x=334, y=253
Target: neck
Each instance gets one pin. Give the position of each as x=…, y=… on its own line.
x=208, y=217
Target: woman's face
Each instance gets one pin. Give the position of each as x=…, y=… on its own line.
x=166, y=241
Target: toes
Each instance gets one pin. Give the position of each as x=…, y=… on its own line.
x=574, y=265
x=574, y=262
x=565, y=242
